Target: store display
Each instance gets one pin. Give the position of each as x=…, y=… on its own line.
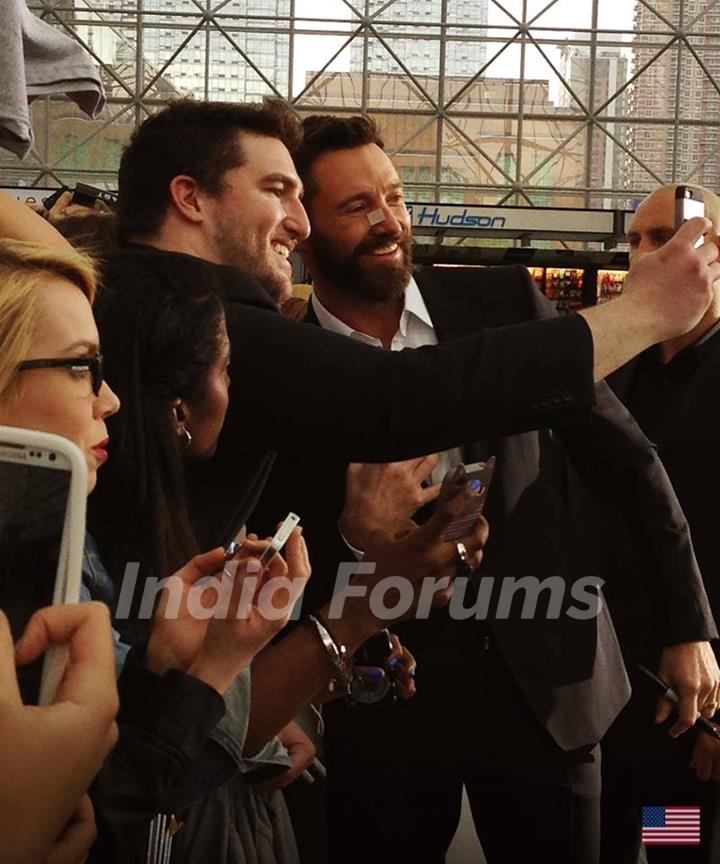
x=538, y=277
x=610, y=284
x=565, y=287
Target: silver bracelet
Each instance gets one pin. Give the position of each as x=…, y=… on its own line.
x=337, y=654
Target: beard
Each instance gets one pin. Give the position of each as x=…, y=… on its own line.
x=354, y=274
x=233, y=252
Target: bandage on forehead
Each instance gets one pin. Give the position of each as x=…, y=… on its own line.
x=376, y=216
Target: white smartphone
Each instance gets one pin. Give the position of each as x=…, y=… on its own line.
x=280, y=538
x=43, y=494
x=688, y=205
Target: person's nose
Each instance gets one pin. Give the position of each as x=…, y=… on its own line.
x=106, y=402
x=296, y=221
x=390, y=225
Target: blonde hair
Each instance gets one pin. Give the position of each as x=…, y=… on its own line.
x=23, y=269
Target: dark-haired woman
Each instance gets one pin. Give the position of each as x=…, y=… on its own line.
x=169, y=352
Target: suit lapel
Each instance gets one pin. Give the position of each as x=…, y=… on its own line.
x=442, y=314
x=450, y=322
x=310, y=316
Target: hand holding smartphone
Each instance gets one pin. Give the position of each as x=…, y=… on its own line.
x=280, y=539
x=482, y=472
x=43, y=479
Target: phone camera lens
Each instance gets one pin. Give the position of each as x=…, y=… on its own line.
x=53, y=457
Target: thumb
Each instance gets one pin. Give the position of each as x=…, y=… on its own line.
x=664, y=709
x=296, y=556
x=693, y=229
x=8, y=676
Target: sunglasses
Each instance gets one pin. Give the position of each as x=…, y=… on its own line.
x=93, y=365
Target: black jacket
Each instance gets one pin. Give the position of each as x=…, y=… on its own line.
x=296, y=387
x=570, y=671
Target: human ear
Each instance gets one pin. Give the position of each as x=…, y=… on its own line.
x=180, y=415
x=186, y=198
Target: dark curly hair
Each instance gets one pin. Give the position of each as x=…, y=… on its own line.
x=198, y=139
x=323, y=133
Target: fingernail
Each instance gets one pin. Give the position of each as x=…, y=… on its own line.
x=413, y=670
x=374, y=673
x=393, y=664
x=476, y=485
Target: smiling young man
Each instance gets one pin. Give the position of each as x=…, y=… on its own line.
x=510, y=707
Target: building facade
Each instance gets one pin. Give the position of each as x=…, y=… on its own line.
x=673, y=100
x=401, y=31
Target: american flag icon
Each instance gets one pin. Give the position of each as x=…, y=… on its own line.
x=671, y=826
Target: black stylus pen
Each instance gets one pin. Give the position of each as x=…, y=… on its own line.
x=668, y=693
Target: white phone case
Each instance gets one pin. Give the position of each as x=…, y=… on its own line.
x=34, y=448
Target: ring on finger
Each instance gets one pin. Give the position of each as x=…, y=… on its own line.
x=463, y=554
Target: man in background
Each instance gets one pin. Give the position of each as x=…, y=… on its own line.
x=673, y=392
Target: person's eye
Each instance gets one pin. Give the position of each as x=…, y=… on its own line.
x=79, y=370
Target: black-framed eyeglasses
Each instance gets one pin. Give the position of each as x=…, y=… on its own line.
x=93, y=365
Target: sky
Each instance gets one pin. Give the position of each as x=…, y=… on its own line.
x=563, y=17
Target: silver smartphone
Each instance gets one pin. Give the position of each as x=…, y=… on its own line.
x=43, y=493
x=689, y=203
x=280, y=539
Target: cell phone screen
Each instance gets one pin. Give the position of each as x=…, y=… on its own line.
x=33, y=501
x=692, y=208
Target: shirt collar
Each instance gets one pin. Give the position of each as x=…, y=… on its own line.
x=327, y=320
x=413, y=305
x=707, y=336
x=693, y=353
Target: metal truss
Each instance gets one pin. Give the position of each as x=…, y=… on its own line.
x=625, y=110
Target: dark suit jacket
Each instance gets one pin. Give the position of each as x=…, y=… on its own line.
x=570, y=671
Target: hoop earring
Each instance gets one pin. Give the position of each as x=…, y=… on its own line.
x=188, y=437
